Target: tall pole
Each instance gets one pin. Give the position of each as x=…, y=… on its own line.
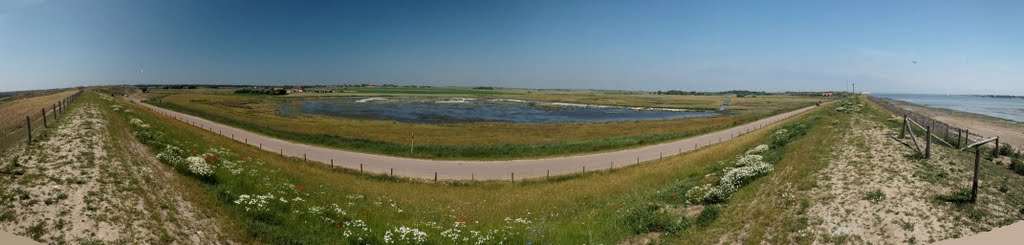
x=413, y=145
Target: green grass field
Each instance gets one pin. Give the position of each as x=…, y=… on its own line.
x=475, y=140
x=284, y=200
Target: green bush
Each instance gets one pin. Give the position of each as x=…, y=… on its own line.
x=649, y=217
x=708, y=215
x=1007, y=150
x=1017, y=166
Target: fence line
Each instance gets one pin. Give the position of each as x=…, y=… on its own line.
x=19, y=130
x=944, y=131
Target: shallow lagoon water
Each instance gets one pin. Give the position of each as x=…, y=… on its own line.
x=431, y=111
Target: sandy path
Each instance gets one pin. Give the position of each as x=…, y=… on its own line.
x=82, y=184
x=479, y=170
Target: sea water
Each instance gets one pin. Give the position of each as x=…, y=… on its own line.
x=1005, y=108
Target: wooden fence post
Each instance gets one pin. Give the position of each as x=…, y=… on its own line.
x=977, y=163
x=967, y=136
x=45, y=125
x=435, y=177
x=360, y=168
x=332, y=163
x=928, y=142
x=903, y=131
x=959, y=134
x=513, y=177
x=28, y=125
x=995, y=153
x=392, y=172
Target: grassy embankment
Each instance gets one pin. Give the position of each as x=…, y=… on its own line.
x=787, y=203
x=464, y=140
x=286, y=200
x=86, y=180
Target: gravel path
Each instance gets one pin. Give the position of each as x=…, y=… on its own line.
x=478, y=170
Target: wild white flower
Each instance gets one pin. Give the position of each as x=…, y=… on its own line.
x=405, y=235
x=781, y=132
x=250, y=203
x=756, y=150
x=198, y=166
x=749, y=160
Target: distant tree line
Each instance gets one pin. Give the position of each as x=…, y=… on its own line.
x=484, y=88
x=262, y=90
x=178, y=87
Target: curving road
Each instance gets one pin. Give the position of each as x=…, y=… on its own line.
x=476, y=170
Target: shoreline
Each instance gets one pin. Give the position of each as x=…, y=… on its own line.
x=1009, y=131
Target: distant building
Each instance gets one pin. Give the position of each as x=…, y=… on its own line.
x=826, y=94
x=322, y=91
x=296, y=89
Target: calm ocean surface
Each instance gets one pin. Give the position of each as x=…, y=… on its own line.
x=1005, y=108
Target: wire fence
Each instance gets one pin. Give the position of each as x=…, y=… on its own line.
x=26, y=128
x=954, y=135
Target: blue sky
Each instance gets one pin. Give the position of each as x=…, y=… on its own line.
x=961, y=46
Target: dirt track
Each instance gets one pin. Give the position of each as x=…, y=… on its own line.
x=479, y=170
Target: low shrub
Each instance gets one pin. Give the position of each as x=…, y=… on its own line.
x=875, y=196
x=1007, y=150
x=707, y=216
x=1017, y=166
x=649, y=217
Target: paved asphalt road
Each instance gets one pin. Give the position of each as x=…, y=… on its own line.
x=478, y=170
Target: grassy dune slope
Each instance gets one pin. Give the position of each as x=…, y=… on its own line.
x=848, y=181
x=87, y=180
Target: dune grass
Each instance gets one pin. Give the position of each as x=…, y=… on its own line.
x=781, y=201
x=597, y=207
x=489, y=141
